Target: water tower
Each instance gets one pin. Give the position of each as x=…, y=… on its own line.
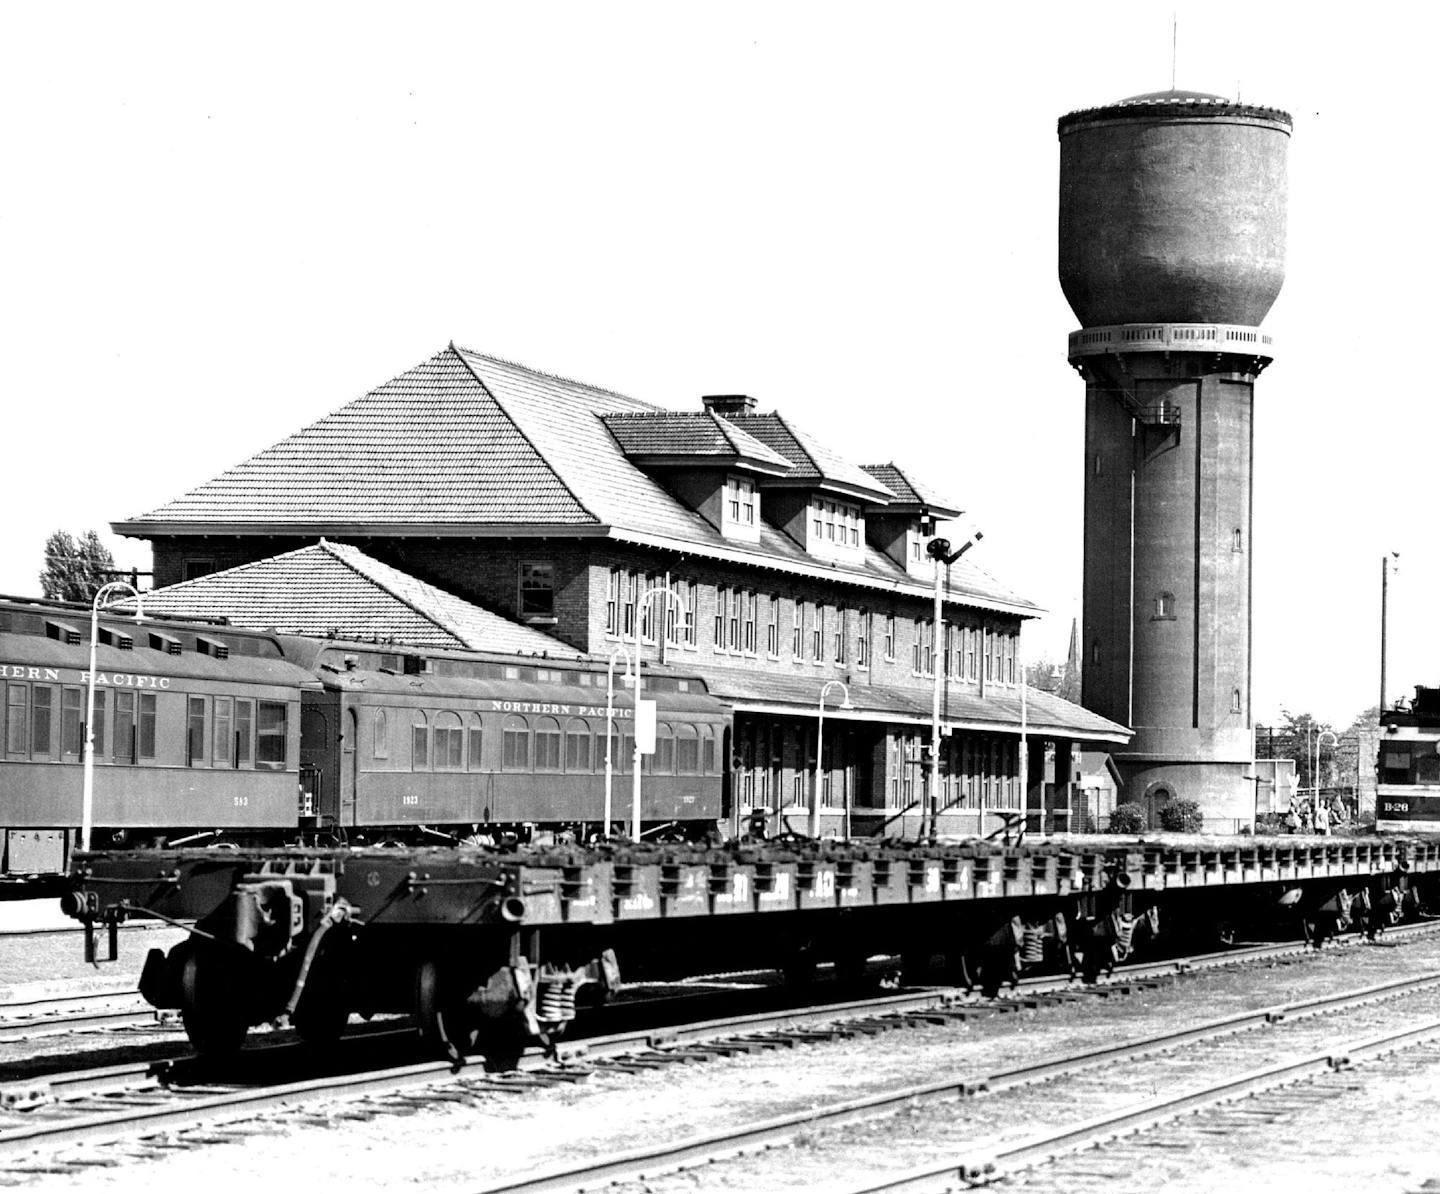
x=1172, y=249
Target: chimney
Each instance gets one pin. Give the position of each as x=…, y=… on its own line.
x=729, y=404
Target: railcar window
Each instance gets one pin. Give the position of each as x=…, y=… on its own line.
x=147, y=725
x=577, y=745
x=547, y=744
x=72, y=714
x=40, y=699
x=99, y=743
x=195, y=732
x=124, y=727
x=244, y=725
x=476, y=741
x=1395, y=765
x=271, y=741
x=419, y=742
x=516, y=743
x=707, y=751
x=1427, y=769
x=687, y=750
x=664, y=759
x=380, y=725
x=449, y=742
x=17, y=719
x=224, y=717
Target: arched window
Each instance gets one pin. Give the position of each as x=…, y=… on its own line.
x=381, y=726
x=449, y=742
x=516, y=743
x=687, y=750
x=419, y=742
x=664, y=749
x=577, y=745
x=547, y=744
x=709, y=755
x=476, y=736
x=1164, y=606
x=1235, y=700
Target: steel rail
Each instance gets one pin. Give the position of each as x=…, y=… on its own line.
x=653, y=1161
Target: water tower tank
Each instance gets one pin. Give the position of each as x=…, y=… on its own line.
x=1172, y=209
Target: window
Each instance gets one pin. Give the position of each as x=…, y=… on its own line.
x=862, y=638
x=419, y=741
x=271, y=748
x=837, y=638
x=537, y=590
x=477, y=740
x=740, y=501
x=890, y=636
x=687, y=750
x=797, y=633
x=722, y=597
x=1164, y=607
x=692, y=618
x=124, y=739
x=40, y=710
x=99, y=743
x=197, y=566
x=917, y=648
x=707, y=751
x=631, y=590
x=449, y=742
x=577, y=745
x=733, y=636
x=675, y=611
x=194, y=732
x=147, y=726
x=224, y=711
x=515, y=739
x=1237, y=541
x=751, y=602
x=17, y=720
x=72, y=721
x=244, y=723
x=817, y=520
x=380, y=729
x=1234, y=700
x=547, y=744
x=817, y=635
x=772, y=628
x=972, y=637
x=987, y=648
x=664, y=760
x=612, y=603
x=647, y=607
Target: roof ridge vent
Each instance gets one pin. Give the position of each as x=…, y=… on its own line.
x=729, y=404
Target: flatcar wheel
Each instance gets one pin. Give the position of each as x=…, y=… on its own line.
x=442, y=1018
x=213, y=1018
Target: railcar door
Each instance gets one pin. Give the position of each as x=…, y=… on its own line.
x=319, y=755
x=350, y=768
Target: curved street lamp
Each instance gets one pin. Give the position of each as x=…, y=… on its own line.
x=87, y=800
x=939, y=551
x=819, y=754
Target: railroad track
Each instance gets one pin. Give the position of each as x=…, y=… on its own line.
x=138, y=1101
x=90, y=1012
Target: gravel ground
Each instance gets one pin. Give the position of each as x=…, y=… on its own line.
x=44, y=965
x=1381, y=1138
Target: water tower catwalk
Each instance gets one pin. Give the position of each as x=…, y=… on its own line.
x=1172, y=249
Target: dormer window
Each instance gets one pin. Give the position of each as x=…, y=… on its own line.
x=834, y=526
x=740, y=508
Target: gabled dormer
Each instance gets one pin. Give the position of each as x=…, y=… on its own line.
x=904, y=528
x=710, y=465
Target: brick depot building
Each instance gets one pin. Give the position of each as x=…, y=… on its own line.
x=560, y=506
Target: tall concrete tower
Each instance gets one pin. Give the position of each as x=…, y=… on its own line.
x=1172, y=249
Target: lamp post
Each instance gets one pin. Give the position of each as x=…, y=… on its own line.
x=610, y=729
x=642, y=603
x=939, y=551
x=87, y=800
x=819, y=754
x=1334, y=741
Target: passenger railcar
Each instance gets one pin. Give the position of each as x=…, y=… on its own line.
x=1407, y=768
x=209, y=734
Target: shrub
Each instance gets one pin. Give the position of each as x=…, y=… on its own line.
x=1181, y=816
x=1127, y=818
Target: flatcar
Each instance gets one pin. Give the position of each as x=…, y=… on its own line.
x=208, y=734
x=1407, y=767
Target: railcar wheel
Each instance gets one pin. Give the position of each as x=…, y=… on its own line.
x=442, y=1016
x=318, y=1022
x=213, y=1016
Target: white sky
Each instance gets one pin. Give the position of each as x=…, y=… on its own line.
x=220, y=223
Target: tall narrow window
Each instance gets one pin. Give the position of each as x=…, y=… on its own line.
x=722, y=599
x=772, y=627
x=72, y=721
x=99, y=742
x=1235, y=701
x=612, y=602
x=890, y=636
x=194, y=732
x=537, y=590
x=40, y=710
x=862, y=638
x=1164, y=607
x=632, y=595
x=577, y=745
x=380, y=734
x=448, y=744
x=797, y=633
x=750, y=614
x=125, y=727
x=224, y=733
x=244, y=731
x=17, y=719
x=692, y=619
x=515, y=739
x=837, y=637
x=817, y=635
x=547, y=744
x=733, y=637
x=147, y=726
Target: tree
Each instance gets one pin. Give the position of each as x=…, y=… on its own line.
x=75, y=568
x=1043, y=676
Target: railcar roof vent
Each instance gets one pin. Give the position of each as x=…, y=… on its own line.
x=118, y=639
x=62, y=632
x=165, y=642
x=212, y=646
